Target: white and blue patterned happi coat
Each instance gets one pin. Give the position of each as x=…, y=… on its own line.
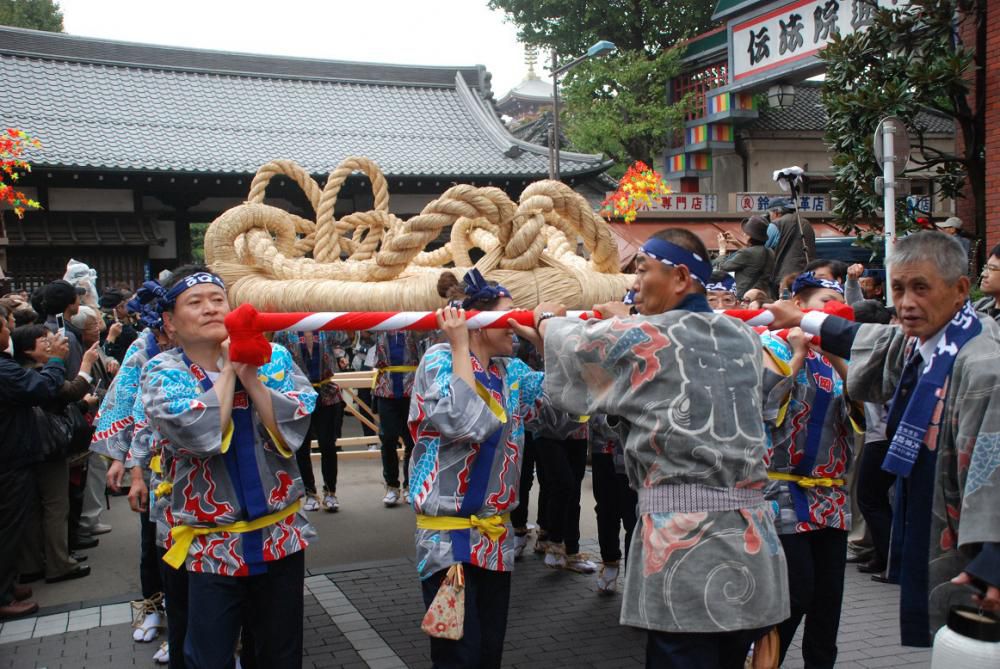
x=449, y=422
x=186, y=420
x=115, y=422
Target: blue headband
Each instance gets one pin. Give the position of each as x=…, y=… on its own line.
x=673, y=255
x=479, y=290
x=810, y=280
x=726, y=285
x=189, y=282
x=149, y=292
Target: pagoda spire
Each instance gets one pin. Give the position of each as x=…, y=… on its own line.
x=530, y=59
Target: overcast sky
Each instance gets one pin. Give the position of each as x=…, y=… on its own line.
x=419, y=32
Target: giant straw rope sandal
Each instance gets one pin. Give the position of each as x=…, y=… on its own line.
x=373, y=261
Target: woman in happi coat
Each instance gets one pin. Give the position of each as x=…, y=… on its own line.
x=471, y=400
x=812, y=433
x=231, y=430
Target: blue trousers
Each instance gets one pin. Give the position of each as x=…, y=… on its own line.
x=269, y=604
x=487, y=600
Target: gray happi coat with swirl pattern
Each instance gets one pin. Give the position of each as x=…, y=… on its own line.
x=688, y=387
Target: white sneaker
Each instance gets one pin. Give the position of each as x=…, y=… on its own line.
x=373, y=447
x=579, y=563
x=391, y=498
x=406, y=496
x=607, y=579
x=310, y=503
x=330, y=503
x=162, y=656
x=520, y=543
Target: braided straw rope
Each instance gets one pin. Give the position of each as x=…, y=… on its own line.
x=373, y=261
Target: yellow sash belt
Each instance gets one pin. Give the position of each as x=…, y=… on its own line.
x=324, y=382
x=491, y=526
x=805, y=481
x=183, y=535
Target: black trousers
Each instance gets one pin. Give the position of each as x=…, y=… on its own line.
x=16, y=486
x=269, y=604
x=816, y=562
x=564, y=462
x=529, y=458
x=149, y=557
x=392, y=415
x=487, y=600
x=615, y=508
x=77, y=485
x=720, y=650
x=175, y=592
x=365, y=395
x=873, y=489
x=325, y=426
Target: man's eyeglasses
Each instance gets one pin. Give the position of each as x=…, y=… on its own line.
x=990, y=268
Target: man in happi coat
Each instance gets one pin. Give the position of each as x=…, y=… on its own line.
x=231, y=430
x=940, y=371
x=706, y=572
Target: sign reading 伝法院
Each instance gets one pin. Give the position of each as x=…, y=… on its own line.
x=784, y=39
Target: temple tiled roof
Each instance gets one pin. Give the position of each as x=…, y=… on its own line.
x=123, y=106
x=807, y=113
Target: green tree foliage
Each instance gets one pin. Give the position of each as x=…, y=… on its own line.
x=908, y=61
x=34, y=14
x=570, y=26
x=616, y=105
x=198, y=241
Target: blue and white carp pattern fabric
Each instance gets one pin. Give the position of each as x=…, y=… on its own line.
x=114, y=425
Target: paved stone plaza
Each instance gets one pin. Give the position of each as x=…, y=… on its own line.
x=368, y=615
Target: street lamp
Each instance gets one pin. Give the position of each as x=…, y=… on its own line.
x=781, y=96
x=598, y=49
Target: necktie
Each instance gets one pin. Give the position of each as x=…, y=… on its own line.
x=907, y=382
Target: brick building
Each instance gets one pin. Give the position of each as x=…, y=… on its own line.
x=992, y=147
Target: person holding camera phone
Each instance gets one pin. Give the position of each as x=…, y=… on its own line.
x=44, y=549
